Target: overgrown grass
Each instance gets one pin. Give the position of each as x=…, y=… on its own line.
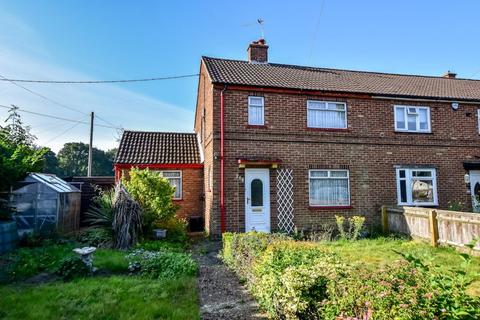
x=116, y=297
x=379, y=252
x=111, y=260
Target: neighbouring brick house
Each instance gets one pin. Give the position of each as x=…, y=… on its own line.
x=286, y=145
x=176, y=156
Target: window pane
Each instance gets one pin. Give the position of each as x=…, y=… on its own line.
x=176, y=183
x=325, y=192
x=403, y=191
x=258, y=101
x=255, y=115
x=412, y=122
x=326, y=119
x=418, y=173
x=338, y=174
x=256, y=192
x=318, y=174
x=423, y=114
x=422, y=191
x=336, y=106
x=401, y=173
x=400, y=116
x=412, y=110
x=316, y=104
x=172, y=174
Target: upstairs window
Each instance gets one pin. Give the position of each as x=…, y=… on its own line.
x=329, y=188
x=412, y=119
x=417, y=187
x=175, y=180
x=328, y=115
x=256, y=111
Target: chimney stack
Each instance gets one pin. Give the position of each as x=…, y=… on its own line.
x=258, y=51
x=450, y=75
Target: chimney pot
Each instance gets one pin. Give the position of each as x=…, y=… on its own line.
x=450, y=75
x=258, y=51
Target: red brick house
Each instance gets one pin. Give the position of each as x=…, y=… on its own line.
x=176, y=156
x=288, y=146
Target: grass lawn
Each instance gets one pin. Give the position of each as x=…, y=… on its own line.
x=111, y=294
x=380, y=252
x=115, y=297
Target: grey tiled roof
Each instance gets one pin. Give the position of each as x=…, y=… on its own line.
x=140, y=147
x=238, y=72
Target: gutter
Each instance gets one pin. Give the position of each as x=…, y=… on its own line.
x=222, y=160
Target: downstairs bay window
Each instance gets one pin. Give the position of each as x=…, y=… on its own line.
x=417, y=186
x=329, y=188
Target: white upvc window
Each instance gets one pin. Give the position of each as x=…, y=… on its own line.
x=478, y=120
x=417, y=186
x=256, y=111
x=174, y=177
x=412, y=119
x=329, y=188
x=325, y=114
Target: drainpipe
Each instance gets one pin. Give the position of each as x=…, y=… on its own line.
x=222, y=162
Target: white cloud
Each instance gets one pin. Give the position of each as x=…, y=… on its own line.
x=23, y=55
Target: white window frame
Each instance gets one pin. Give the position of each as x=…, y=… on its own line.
x=406, y=112
x=311, y=107
x=181, y=181
x=329, y=171
x=250, y=104
x=478, y=120
x=408, y=183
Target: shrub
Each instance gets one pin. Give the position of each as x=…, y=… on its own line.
x=95, y=237
x=291, y=278
x=72, y=267
x=101, y=212
x=355, y=226
x=153, y=193
x=161, y=264
x=162, y=245
x=241, y=249
x=176, y=229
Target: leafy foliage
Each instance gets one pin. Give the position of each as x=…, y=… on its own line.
x=72, y=267
x=355, y=226
x=300, y=280
x=100, y=214
x=161, y=264
x=73, y=160
x=176, y=229
x=153, y=193
x=96, y=237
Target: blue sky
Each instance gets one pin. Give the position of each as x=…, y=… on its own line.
x=56, y=40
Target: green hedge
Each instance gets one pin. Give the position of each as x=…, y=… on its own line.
x=298, y=280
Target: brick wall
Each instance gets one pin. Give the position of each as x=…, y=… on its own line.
x=369, y=148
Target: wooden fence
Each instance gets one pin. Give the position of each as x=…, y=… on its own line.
x=437, y=226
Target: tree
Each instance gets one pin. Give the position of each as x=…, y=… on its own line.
x=16, y=131
x=50, y=163
x=18, y=154
x=73, y=160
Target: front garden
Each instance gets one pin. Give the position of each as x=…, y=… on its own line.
x=305, y=277
x=133, y=275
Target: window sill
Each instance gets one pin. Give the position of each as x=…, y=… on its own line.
x=429, y=205
x=413, y=132
x=256, y=126
x=329, y=207
x=329, y=129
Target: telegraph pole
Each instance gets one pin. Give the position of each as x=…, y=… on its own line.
x=90, y=146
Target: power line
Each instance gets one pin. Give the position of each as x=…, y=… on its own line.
x=315, y=32
x=65, y=131
x=99, y=81
x=59, y=118
x=41, y=95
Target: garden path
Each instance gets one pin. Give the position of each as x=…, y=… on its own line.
x=222, y=296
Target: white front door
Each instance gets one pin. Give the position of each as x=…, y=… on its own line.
x=475, y=189
x=257, y=200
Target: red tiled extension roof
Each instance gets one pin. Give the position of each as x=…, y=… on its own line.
x=273, y=75
x=140, y=147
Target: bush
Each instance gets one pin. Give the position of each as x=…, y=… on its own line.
x=161, y=264
x=72, y=267
x=153, y=193
x=176, y=229
x=297, y=280
x=162, y=245
x=101, y=212
x=355, y=226
x=95, y=237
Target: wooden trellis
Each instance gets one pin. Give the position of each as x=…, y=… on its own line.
x=285, y=200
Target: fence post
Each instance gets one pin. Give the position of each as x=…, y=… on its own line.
x=432, y=217
x=385, y=228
